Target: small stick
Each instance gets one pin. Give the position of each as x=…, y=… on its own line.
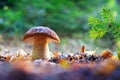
x=82, y=50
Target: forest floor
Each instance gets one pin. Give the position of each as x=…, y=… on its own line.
x=76, y=67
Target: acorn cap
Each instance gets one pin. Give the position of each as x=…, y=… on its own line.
x=41, y=32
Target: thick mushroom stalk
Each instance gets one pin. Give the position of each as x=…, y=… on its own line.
x=41, y=49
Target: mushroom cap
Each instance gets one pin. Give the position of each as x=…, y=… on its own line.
x=40, y=31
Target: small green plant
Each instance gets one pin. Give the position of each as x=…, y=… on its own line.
x=105, y=24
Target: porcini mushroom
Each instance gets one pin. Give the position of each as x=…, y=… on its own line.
x=40, y=37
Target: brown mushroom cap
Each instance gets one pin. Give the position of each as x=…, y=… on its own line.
x=41, y=32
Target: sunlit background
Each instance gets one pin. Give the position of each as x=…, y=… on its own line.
x=68, y=18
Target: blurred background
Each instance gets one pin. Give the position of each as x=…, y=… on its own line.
x=68, y=18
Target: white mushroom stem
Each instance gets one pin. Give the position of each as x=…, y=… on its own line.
x=41, y=49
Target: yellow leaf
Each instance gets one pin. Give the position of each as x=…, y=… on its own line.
x=64, y=63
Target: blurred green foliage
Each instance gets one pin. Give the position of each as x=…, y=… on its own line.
x=65, y=16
